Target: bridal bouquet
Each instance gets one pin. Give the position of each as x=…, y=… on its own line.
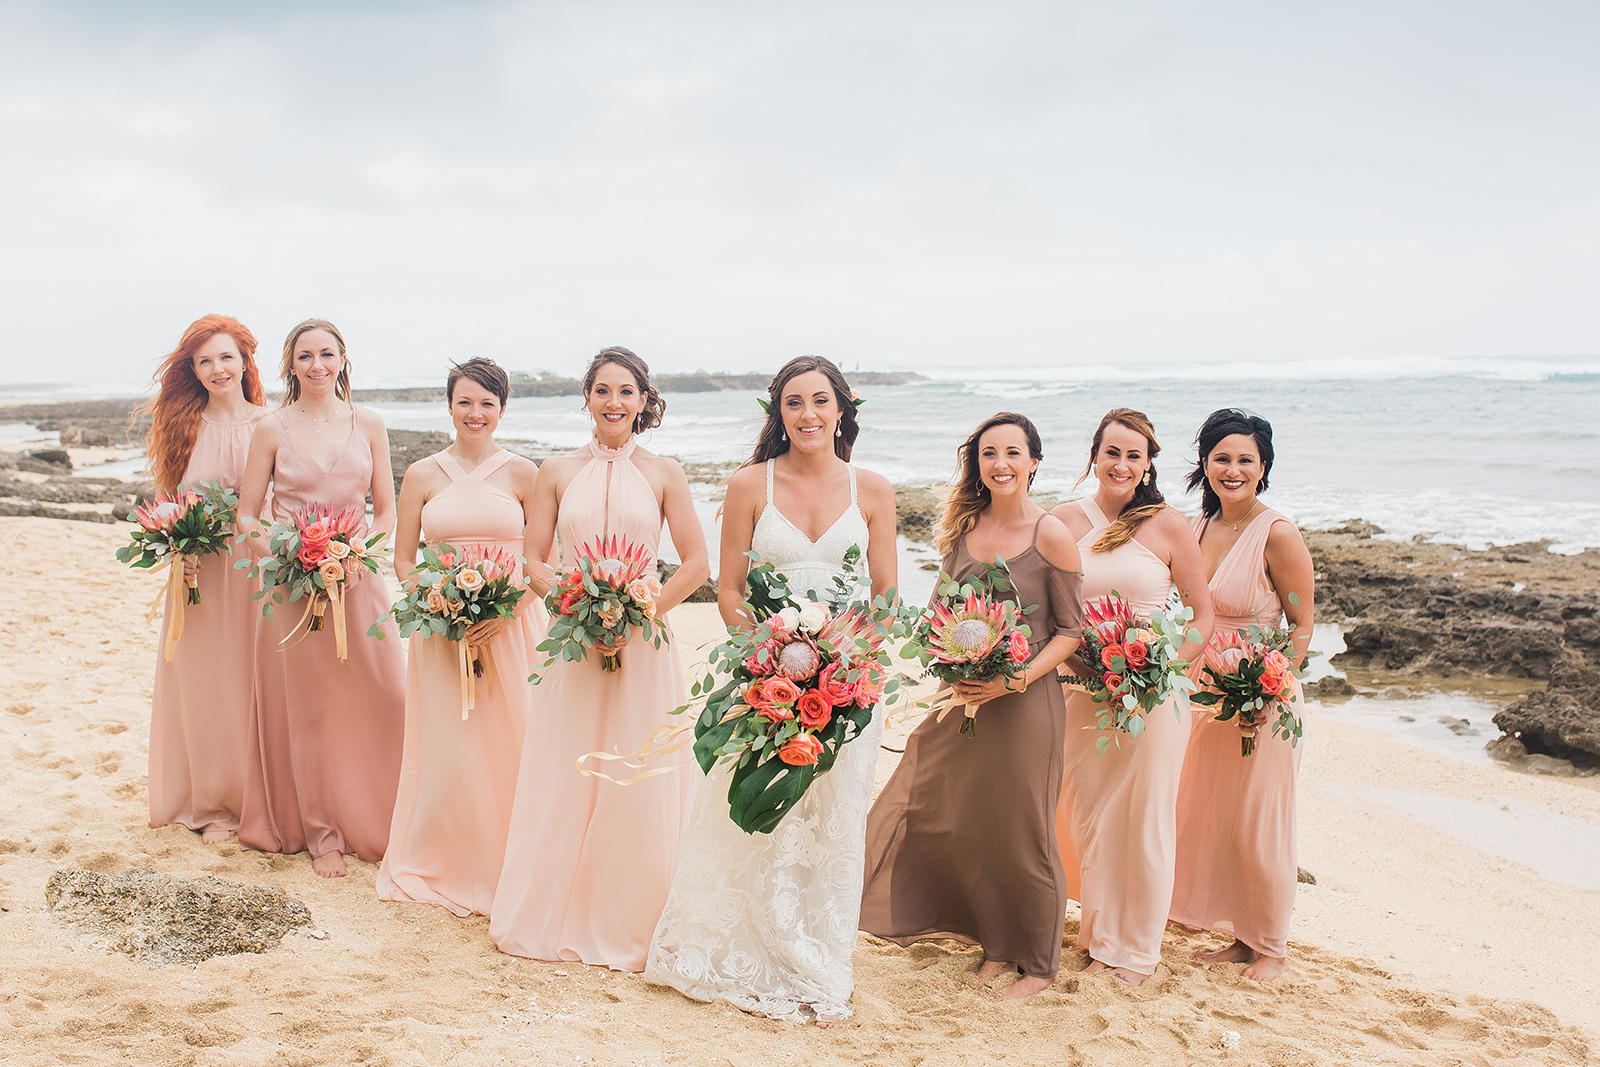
x=312, y=556
x=798, y=687
x=612, y=588
x=451, y=590
x=175, y=527
x=1247, y=677
x=1138, y=663
x=971, y=634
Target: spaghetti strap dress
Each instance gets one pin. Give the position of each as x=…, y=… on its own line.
x=1236, y=867
x=962, y=841
x=325, y=735
x=588, y=863
x=200, y=708
x=767, y=922
x=1117, y=822
x=458, y=776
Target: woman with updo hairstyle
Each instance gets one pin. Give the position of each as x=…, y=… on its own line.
x=801, y=505
x=587, y=863
x=961, y=843
x=1117, y=821
x=1236, y=865
x=325, y=737
x=458, y=774
x=208, y=402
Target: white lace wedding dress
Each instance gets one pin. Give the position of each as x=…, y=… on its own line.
x=767, y=922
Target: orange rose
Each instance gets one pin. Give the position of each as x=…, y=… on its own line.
x=814, y=709
x=801, y=751
x=1109, y=653
x=780, y=690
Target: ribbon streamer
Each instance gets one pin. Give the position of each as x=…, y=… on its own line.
x=474, y=660
x=175, y=595
x=663, y=742
x=317, y=605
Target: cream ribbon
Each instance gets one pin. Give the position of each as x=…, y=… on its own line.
x=474, y=659
x=317, y=605
x=175, y=594
x=663, y=742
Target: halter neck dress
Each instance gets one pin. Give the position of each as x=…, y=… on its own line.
x=458, y=777
x=1117, y=822
x=588, y=863
x=1236, y=867
x=200, y=707
x=962, y=843
x=767, y=922
x=325, y=735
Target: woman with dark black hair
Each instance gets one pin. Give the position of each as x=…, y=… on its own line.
x=1236, y=814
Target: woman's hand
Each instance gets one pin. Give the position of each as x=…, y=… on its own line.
x=481, y=633
x=983, y=692
x=606, y=648
x=191, y=571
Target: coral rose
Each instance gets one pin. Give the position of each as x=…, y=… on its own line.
x=1276, y=662
x=871, y=684
x=1273, y=681
x=801, y=751
x=776, y=713
x=834, y=684
x=469, y=580
x=1109, y=653
x=814, y=709
x=1112, y=681
x=1137, y=653
x=780, y=690
x=569, y=601
x=756, y=696
x=1019, y=646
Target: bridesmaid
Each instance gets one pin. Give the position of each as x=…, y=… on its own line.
x=209, y=402
x=1236, y=816
x=1117, y=818
x=458, y=777
x=588, y=864
x=325, y=735
x=961, y=843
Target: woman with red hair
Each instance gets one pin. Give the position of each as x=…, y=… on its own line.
x=209, y=401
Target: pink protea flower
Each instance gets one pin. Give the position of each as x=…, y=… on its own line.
x=616, y=561
x=159, y=515
x=969, y=633
x=798, y=660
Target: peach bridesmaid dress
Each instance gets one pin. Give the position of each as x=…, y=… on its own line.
x=1236, y=815
x=201, y=706
x=325, y=735
x=1116, y=822
x=458, y=777
x=588, y=863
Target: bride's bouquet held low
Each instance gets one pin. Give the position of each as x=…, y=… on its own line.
x=1246, y=678
x=612, y=588
x=795, y=689
x=450, y=591
x=1138, y=664
x=972, y=634
x=173, y=528
x=311, y=557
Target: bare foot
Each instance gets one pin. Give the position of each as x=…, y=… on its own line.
x=1026, y=986
x=1094, y=965
x=215, y=837
x=329, y=865
x=1238, y=952
x=1131, y=979
x=988, y=972
x=1266, y=968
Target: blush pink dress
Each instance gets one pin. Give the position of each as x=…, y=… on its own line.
x=1236, y=815
x=1116, y=823
x=325, y=735
x=458, y=777
x=588, y=863
x=201, y=704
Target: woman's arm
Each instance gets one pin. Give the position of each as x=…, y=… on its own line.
x=883, y=559
x=739, y=504
x=1189, y=575
x=414, y=493
x=253, y=520
x=382, y=487
x=540, y=510
x=1293, y=575
x=687, y=538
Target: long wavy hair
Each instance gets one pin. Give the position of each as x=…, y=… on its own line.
x=772, y=440
x=970, y=497
x=1147, y=499
x=341, y=385
x=181, y=398
x=1225, y=423
x=655, y=405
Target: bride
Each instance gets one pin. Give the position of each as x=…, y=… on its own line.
x=767, y=922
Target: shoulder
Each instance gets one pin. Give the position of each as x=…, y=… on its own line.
x=1284, y=535
x=664, y=467
x=1057, y=545
x=521, y=467
x=748, y=482
x=423, y=474
x=1073, y=517
x=874, y=484
x=1170, y=522
x=369, y=421
x=269, y=428
x=260, y=414
x=560, y=467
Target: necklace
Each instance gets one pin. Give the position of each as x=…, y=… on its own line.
x=318, y=423
x=1240, y=523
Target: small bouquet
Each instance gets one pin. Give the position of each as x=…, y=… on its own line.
x=971, y=634
x=1138, y=660
x=612, y=588
x=452, y=590
x=798, y=687
x=312, y=556
x=1247, y=676
x=173, y=528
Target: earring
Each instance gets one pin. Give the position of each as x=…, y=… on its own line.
x=784, y=437
x=1146, y=478
x=838, y=429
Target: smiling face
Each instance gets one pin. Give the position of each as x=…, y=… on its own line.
x=219, y=366
x=475, y=410
x=1123, y=458
x=1234, y=469
x=810, y=411
x=615, y=400
x=1004, y=464
x=317, y=362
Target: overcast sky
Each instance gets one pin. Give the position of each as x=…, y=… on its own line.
x=726, y=185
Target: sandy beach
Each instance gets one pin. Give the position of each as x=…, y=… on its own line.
x=1413, y=947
